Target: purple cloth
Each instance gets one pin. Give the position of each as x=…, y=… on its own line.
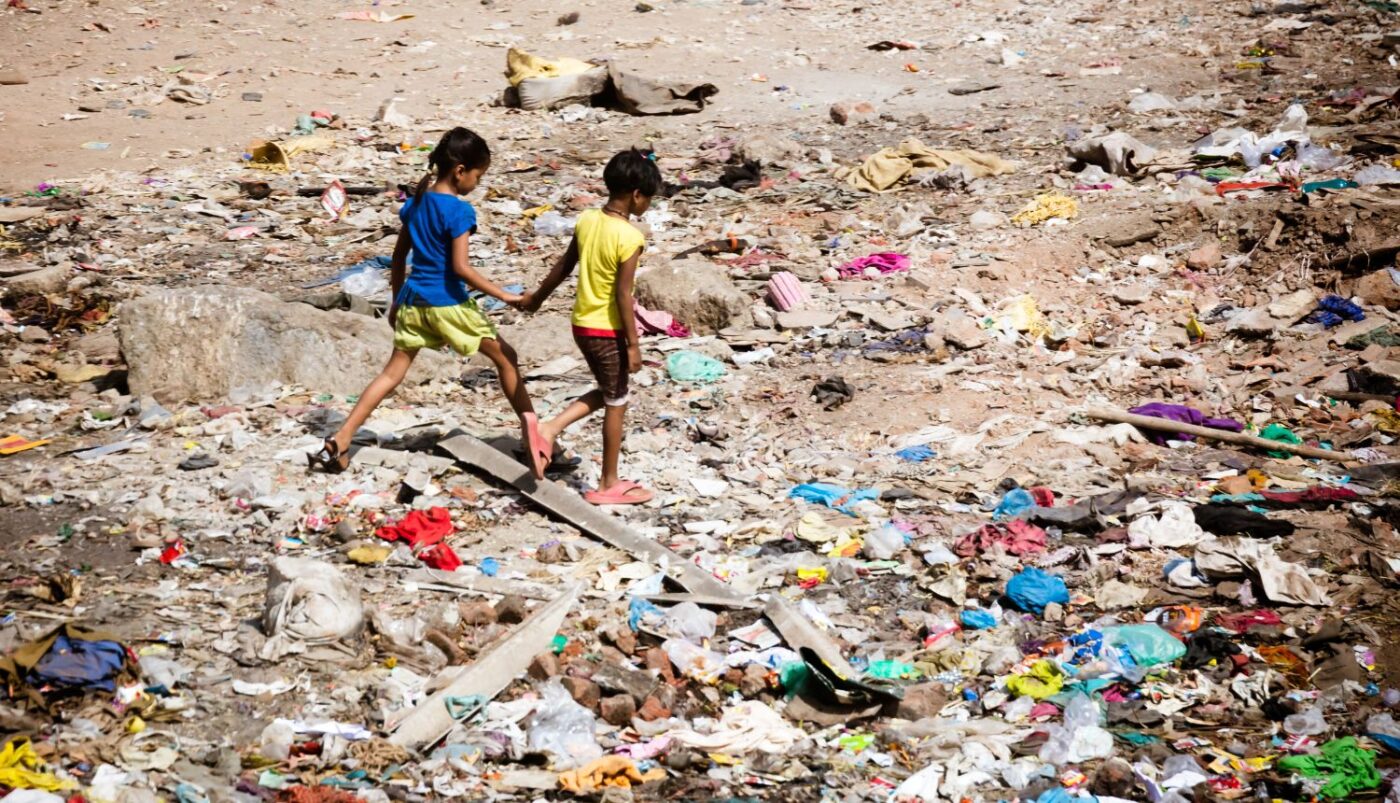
x=885, y=263
x=1185, y=415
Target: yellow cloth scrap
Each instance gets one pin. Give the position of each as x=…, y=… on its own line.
x=819, y=574
x=277, y=156
x=1045, y=679
x=522, y=66
x=19, y=769
x=892, y=166
x=1044, y=207
x=607, y=771
x=812, y=527
x=1024, y=315
x=1387, y=421
x=368, y=555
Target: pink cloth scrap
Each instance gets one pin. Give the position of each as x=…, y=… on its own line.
x=656, y=322
x=1016, y=537
x=885, y=263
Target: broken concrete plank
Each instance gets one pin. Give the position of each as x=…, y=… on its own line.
x=798, y=631
x=489, y=675
x=19, y=214
x=567, y=505
x=703, y=600
x=392, y=458
x=434, y=579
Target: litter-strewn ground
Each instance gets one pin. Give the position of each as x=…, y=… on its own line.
x=908, y=540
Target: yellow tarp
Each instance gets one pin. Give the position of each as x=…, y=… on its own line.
x=892, y=166
x=277, y=156
x=522, y=66
x=19, y=769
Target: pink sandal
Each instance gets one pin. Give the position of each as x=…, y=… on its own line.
x=623, y=493
x=541, y=451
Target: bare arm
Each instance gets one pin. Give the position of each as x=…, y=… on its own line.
x=622, y=296
x=562, y=268
x=398, y=271
x=463, y=268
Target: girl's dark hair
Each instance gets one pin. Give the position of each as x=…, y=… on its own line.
x=460, y=146
x=632, y=170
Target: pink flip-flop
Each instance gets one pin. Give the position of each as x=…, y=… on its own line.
x=541, y=451
x=623, y=493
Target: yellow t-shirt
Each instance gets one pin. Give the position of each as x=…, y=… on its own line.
x=604, y=243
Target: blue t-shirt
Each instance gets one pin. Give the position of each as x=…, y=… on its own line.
x=443, y=219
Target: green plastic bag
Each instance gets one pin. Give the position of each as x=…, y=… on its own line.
x=1282, y=434
x=1346, y=765
x=893, y=670
x=689, y=366
x=1148, y=644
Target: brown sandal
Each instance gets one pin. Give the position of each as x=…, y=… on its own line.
x=330, y=459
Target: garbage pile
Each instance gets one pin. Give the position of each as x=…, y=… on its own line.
x=1056, y=463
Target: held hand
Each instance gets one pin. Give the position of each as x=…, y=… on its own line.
x=533, y=301
x=514, y=299
x=634, y=358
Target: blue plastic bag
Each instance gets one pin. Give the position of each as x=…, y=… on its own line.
x=832, y=496
x=1033, y=589
x=1016, y=502
x=977, y=619
x=916, y=454
x=639, y=609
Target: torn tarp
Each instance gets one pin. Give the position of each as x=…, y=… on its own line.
x=539, y=83
x=67, y=659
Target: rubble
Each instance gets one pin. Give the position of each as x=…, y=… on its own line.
x=1020, y=409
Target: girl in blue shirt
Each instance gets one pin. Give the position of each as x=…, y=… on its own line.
x=431, y=307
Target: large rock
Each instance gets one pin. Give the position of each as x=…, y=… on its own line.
x=696, y=292
x=1380, y=288
x=771, y=149
x=45, y=281
x=204, y=343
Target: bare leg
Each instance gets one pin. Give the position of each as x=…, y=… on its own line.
x=612, y=444
x=380, y=387
x=508, y=372
x=578, y=409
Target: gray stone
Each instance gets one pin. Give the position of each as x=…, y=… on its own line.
x=964, y=333
x=1255, y=322
x=1205, y=257
x=100, y=346
x=890, y=322
x=853, y=112
x=806, y=319
x=1294, y=305
x=44, y=281
x=634, y=682
x=922, y=700
x=1132, y=294
x=771, y=149
x=696, y=292
x=1383, y=372
x=203, y=343
x=33, y=334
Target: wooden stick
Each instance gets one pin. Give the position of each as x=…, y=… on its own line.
x=1225, y=435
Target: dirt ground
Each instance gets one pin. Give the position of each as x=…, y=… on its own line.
x=129, y=124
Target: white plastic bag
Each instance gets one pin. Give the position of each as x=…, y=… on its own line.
x=563, y=728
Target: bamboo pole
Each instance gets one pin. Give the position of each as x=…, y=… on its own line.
x=1223, y=435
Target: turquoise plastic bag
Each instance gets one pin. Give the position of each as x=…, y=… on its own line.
x=1149, y=645
x=688, y=366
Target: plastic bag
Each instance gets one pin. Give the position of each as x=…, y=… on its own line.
x=690, y=621
x=553, y=224
x=1033, y=589
x=275, y=743
x=694, y=661
x=883, y=543
x=1308, y=722
x=1377, y=174
x=689, y=366
x=1016, y=502
x=563, y=728
x=977, y=619
x=1148, y=645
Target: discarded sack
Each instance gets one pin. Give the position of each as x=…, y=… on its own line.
x=891, y=167
x=311, y=601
